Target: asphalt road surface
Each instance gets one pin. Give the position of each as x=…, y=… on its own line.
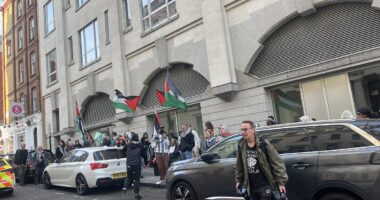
x=31, y=192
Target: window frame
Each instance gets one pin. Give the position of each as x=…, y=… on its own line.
x=107, y=26
x=33, y=63
x=71, y=50
x=21, y=71
x=20, y=37
x=81, y=3
x=19, y=9
x=30, y=3
x=84, y=53
x=49, y=73
x=47, y=21
x=127, y=14
x=150, y=13
x=34, y=97
x=32, y=28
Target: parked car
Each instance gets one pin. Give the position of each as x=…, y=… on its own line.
x=7, y=177
x=87, y=168
x=325, y=160
x=31, y=165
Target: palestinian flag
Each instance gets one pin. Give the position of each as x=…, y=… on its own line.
x=160, y=96
x=173, y=97
x=156, y=124
x=79, y=121
x=128, y=104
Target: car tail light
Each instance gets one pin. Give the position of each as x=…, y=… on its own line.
x=98, y=166
x=375, y=158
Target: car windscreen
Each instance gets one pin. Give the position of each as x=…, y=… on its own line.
x=108, y=154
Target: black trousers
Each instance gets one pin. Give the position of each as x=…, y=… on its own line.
x=38, y=174
x=134, y=173
x=264, y=193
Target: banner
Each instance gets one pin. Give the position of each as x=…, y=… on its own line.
x=17, y=109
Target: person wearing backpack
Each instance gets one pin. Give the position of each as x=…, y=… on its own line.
x=258, y=166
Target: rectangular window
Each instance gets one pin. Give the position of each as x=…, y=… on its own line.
x=127, y=13
x=51, y=66
x=30, y=3
x=31, y=28
x=80, y=3
x=23, y=101
x=49, y=17
x=56, y=116
x=19, y=8
x=89, y=43
x=107, y=26
x=287, y=103
x=34, y=100
x=20, y=36
x=71, y=53
x=21, y=71
x=33, y=63
x=157, y=12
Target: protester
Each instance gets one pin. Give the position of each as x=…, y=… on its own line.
x=145, y=143
x=271, y=120
x=363, y=113
x=134, y=153
x=196, y=151
x=61, y=150
x=208, y=125
x=70, y=146
x=173, y=150
x=20, y=162
x=40, y=163
x=210, y=140
x=258, y=165
x=186, y=142
x=161, y=145
x=223, y=132
x=77, y=144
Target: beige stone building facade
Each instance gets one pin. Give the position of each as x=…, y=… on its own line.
x=232, y=60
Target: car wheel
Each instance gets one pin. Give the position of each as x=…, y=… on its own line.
x=47, y=182
x=337, y=196
x=81, y=185
x=183, y=190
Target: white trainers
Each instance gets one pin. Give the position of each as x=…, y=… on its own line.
x=160, y=182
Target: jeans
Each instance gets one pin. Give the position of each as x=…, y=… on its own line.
x=186, y=155
x=134, y=173
x=264, y=193
x=21, y=171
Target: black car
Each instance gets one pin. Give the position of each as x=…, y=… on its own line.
x=31, y=165
x=325, y=160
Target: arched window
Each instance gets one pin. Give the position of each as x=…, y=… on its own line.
x=98, y=109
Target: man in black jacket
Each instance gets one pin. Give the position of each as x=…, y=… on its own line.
x=20, y=162
x=186, y=142
x=134, y=153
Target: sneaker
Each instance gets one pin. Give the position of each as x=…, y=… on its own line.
x=160, y=182
x=124, y=190
x=138, y=196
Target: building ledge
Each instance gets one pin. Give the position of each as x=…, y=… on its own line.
x=65, y=131
x=226, y=91
x=125, y=117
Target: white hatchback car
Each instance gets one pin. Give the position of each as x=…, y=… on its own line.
x=87, y=168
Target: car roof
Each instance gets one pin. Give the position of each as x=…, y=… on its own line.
x=94, y=149
x=319, y=122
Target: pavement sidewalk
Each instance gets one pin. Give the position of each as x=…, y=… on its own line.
x=150, y=179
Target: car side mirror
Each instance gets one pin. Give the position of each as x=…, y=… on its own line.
x=208, y=157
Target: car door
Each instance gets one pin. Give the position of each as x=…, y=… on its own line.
x=70, y=169
x=56, y=171
x=217, y=178
x=301, y=165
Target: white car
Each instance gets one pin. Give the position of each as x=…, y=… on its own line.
x=87, y=168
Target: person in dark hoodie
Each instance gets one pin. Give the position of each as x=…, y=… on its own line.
x=186, y=142
x=134, y=153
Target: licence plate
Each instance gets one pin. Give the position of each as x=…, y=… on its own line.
x=119, y=175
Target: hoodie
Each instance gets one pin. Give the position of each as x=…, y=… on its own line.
x=134, y=153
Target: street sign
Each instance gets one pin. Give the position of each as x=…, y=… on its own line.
x=17, y=109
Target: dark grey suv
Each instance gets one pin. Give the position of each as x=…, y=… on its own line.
x=325, y=160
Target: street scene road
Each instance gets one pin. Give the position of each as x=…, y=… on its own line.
x=32, y=192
